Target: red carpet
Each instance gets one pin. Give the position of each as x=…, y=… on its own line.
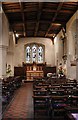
x=21, y=107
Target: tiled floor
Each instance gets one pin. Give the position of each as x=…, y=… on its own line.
x=21, y=107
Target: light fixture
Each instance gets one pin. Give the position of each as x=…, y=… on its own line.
x=17, y=35
x=57, y=24
x=53, y=36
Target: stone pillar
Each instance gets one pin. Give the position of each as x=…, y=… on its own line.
x=3, y=53
x=68, y=66
x=4, y=38
x=77, y=45
x=0, y=60
x=77, y=69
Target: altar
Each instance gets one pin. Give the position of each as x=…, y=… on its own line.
x=34, y=70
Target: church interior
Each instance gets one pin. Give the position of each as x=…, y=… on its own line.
x=39, y=60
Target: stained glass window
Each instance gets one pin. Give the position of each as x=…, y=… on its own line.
x=28, y=56
x=34, y=53
x=40, y=54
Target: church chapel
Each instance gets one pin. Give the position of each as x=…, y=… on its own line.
x=39, y=60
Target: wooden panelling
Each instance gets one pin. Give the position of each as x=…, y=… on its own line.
x=19, y=71
x=49, y=70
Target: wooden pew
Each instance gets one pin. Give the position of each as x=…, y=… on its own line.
x=41, y=106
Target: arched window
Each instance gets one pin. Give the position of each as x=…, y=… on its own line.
x=40, y=54
x=28, y=54
x=34, y=53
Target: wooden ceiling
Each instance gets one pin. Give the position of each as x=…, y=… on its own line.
x=38, y=19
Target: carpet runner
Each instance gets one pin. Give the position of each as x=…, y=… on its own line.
x=21, y=107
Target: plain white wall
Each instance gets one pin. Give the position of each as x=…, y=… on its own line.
x=49, y=50
x=58, y=44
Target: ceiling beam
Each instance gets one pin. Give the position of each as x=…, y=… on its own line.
x=57, y=11
x=23, y=18
x=61, y=11
x=38, y=18
x=31, y=21
x=18, y=10
x=15, y=10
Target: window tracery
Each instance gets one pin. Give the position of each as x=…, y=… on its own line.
x=34, y=53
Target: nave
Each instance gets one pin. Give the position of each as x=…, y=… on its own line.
x=44, y=99
x=39, y=40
